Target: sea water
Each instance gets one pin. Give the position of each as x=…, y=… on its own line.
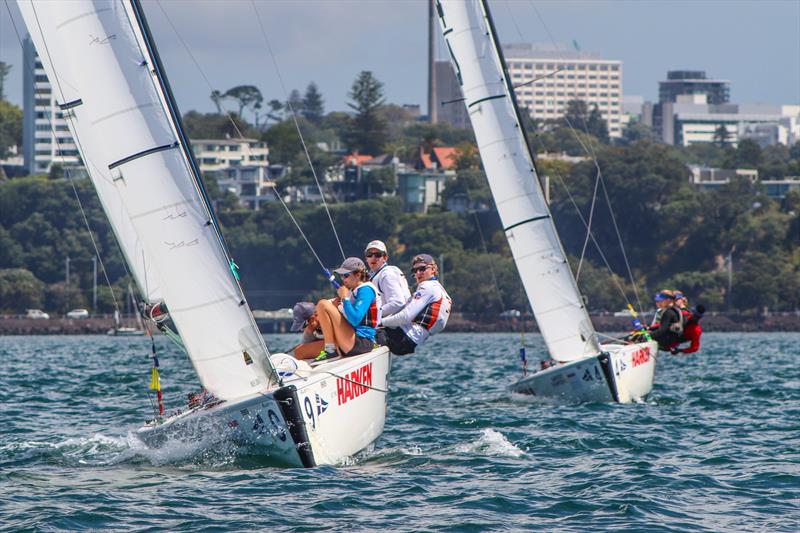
x=715, y=447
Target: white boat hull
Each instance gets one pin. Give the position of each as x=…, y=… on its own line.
x=623, y=373
x=321, y=416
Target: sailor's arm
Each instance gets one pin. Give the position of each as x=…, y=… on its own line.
x=354, y=312
x=417, y=303
x=392, y=292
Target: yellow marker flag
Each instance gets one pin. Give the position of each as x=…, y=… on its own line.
x=155, y=382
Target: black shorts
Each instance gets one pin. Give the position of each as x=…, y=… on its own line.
x=362, y=345
x=398, y=342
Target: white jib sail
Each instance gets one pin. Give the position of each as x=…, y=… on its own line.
x=549, y=283
x=103, y=74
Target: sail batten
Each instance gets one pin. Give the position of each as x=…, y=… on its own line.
x=97, y=52
x=513, y=180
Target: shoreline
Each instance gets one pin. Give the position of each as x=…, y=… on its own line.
x=457, y=324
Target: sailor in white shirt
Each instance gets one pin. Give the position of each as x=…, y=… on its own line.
x=390, y=280
x=424, y=314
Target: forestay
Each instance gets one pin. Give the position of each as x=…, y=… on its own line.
x=539, y=256
x=107, y=81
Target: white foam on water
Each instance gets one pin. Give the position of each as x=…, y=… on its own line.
x=103, y=450
x=492, y=443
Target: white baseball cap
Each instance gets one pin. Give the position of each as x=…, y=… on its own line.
x=377, y=245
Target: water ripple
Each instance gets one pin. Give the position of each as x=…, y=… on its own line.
x=716, y=447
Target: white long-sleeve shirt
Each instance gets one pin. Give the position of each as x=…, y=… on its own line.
x=424, y=314
x=393, y=288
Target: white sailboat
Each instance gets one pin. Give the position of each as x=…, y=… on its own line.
x=111, y=87
x=584, y=370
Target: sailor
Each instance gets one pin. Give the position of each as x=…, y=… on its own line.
x=692, y=332
x=350, y=327
x=669, y=327
x=424, y=314
x=389, y=279
x=304, y=318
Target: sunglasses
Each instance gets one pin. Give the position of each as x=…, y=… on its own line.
x=345, y=276
x=419, y=269
x=374, y=254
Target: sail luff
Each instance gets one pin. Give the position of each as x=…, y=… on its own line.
x=132, y=147
x=540, y=258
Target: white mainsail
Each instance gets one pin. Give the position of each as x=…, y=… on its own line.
x=105, y=74
x=489, y=97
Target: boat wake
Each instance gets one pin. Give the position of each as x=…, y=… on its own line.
x=491, y=443
x=103, y=450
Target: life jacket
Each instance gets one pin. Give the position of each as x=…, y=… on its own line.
x=373, y=315
x=433, y=316
x=677, y=327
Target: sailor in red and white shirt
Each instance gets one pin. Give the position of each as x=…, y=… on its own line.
x=425, y=313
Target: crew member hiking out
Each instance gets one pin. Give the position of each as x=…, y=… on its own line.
x=424, y=314
x=669, y=328
x=692, y=332
x=389, y=279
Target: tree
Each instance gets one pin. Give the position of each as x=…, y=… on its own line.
x=367, y=132
x=10, y=127
x=721, y=135
x=216, y=126
x=296, y=102
x=748, y=154
x=576, y=115
x=217, y=97
x=275, y=112
x=597, y=126
x=247, y=96
x=20, y=290
x=313, y=105
x=5, y=68
x=379, y=181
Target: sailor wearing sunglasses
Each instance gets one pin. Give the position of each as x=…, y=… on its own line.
x=425, y=314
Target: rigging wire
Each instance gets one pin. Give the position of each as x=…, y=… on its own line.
x=599, y=176
x=277, y=195
x=199, y=69
x=597, y=245
x=67, y=116
x=296, y=124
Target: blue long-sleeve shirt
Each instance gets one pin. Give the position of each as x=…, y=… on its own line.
x=355, y=311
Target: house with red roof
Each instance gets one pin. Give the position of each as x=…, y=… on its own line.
x=438, y=158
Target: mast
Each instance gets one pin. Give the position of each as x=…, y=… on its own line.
x=433, y=112
x=177, y=120
x=172, y=106
x=480, y=68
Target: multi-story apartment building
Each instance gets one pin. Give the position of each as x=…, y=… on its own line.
x=217, y=154
x=547, y=78
x=46, y=139
x=240, y=166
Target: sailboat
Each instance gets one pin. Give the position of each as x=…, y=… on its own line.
x=127, y=331
x=111, y=87
x=579, y=367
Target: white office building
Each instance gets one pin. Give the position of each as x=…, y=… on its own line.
x=46, y=139
x=692, y=120
x=548, y=77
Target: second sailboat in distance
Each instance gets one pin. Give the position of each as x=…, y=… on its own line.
x=584, y=370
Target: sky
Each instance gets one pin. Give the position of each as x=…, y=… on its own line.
x=753, y=44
